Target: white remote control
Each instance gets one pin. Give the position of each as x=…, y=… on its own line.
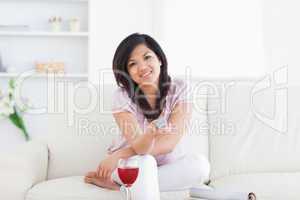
x=161, y=123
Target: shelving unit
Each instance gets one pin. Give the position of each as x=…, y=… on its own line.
x=34, y=41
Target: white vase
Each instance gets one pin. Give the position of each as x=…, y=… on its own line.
x=56, y=26
x=74, y=25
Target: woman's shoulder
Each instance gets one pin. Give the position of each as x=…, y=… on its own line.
x=178, y=85
x=178, y=81
x=177, y=92
x=118, y=92
x=121, y=101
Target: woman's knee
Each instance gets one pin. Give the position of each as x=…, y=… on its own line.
x=200, y=165
x=147, y=160
x=204, y=166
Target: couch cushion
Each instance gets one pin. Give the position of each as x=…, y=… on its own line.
x=247, y=129
x=77, y=138
x=196, y=138
x=266, y=186
x=73, y=188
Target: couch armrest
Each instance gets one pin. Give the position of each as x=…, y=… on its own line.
x=21, y=169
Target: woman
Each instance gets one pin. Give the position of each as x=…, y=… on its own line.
x=146, y=92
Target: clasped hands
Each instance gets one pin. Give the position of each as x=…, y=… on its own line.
x=110, y=163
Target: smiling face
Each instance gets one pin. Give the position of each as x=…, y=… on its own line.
x=144, y=66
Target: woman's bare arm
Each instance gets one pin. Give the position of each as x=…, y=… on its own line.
x=164, y=142
x=133, y=134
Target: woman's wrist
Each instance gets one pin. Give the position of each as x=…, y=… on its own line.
x=151, y=130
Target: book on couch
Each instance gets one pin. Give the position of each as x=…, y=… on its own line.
x=206, y=192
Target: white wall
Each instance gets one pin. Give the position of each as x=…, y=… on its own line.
x=110, y=22
x=214, y=38
x=281, y=36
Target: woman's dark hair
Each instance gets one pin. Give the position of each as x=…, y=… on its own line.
x=124, y=80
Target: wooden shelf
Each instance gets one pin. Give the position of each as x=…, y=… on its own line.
x=43, y=34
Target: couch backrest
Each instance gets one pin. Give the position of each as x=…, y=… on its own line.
x=79, y=147
x=246, y=129
x=78, y=141
x=254, y=127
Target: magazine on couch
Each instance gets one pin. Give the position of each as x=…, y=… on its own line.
x=206, y=192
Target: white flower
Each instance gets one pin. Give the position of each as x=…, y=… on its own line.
x=4, y=101
x=8, y=111
x=10, y=91
x=23, y=105
x=6, y=106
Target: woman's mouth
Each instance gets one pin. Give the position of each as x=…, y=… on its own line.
x=146, y=74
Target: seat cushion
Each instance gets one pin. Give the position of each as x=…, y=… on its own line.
x=74, y=188
x=266, y=186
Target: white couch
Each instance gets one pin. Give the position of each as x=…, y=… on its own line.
x=237, y=128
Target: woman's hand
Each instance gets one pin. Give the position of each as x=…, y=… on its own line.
x=155, y=131
x=169, y=129
x=144, y=143
x=107, y=166
x=151, y=129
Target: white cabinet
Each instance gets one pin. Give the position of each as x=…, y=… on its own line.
x=27, y=37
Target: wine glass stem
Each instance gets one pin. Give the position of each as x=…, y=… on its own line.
x=128, y=194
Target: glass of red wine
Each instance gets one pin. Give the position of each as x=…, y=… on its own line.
x=128, y=170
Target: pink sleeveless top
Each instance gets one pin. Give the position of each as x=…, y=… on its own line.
x=122, y=102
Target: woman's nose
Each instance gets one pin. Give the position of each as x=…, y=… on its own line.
x=142, y=66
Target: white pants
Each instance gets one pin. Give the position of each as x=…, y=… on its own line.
x=178, y=175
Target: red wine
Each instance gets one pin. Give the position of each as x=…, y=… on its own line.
x=128, y=175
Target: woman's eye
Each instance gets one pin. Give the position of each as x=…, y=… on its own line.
x=147, y=57
x=131, y=64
